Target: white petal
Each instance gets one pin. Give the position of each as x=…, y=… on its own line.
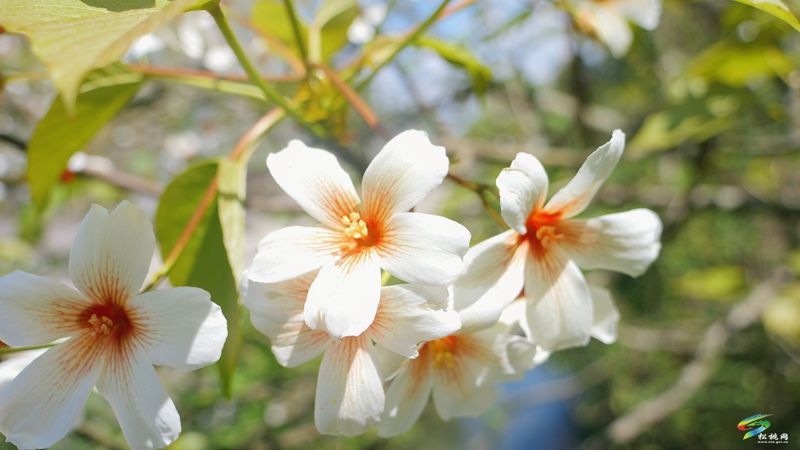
x=522, y=187
x=576, y=196
x=180, y=327
x=111, y=253
x=389, y=362
x=463, y=387
x=612, y=28
x=513, y=314
x=344, y=298
x=405, y=318
x=315, y=180
x=293, y=251
x=277, y=311
x=146, y=414
x=606, y=315
x=402, y=174
x=16, y=363
x=559, y=309
x=625, y=242
x=493, y=276
x=522, y=354
x=36, y=310
x=423, y=248
x=350, y=394
x=406, y=397
x=645, y=13
x=42, y=404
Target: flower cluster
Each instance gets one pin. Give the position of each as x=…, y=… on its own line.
x=465, y=318
x=455, y=328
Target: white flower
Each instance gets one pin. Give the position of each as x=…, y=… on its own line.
x=608, y=20
x=545, y=247
x=14, y=363
x=350, y=395
x=114, y=336
x=458, y=371
x=356, y=240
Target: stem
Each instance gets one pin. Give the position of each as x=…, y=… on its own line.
x=10, y=350
x=241, y=152
x=296, y=28
x=484, y=191
x=255, y=77
x=411, y=38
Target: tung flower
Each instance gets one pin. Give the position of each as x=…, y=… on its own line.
x=350, y=396
x=357, y=239
x=114, y=336
x=546, y=247
x=608, y=20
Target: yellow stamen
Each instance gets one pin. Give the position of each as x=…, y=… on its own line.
x=548, y=236
x=101, y=326
x=442, y=354
x=356, y=227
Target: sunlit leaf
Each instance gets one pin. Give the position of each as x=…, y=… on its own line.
x=738, y=65
x=775, y=7
x=272, y=17
x=59, y=135
x=329, y=29
x=232, y=193
x=72, y=37
x=204, y=262
x=716, y=283
x=480, y=74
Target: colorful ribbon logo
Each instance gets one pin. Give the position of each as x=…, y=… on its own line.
x=754, y=425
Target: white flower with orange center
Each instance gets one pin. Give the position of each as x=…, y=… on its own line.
x=607, y=20
x=546, y=248
x=114, y=336
x=355, y=239
x=458, y=371
x=350, y=396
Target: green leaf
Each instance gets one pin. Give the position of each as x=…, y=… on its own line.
x=737, y=64
x=480, y=74
x=775, y=7
x=72, y=37
x=715, y=283
x=204, y=261
x=272, y=16
x=59, y=134
x=329, y=30
x=232, y=193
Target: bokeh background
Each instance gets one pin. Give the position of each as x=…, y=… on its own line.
x=710, y=102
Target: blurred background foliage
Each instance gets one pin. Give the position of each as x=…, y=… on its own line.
x=710, y=102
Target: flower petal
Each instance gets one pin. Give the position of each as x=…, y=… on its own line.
x=423, y=248
x=606, y=315
x=315, y=180
x=409, y=314
x=293, y=251
x=645, y=13
x=407, y=169
x=522, y=186
x=493, y=276
x=612, y=28
x=36, y=310
x=16, y=363
x=462, y=387
x=180, y=327
x=277, y=311
x=111, y=253
x=406, y=397
x=350, y=394
x=40, y=406
x=344, y=297
x=146, y=414
x=559, y=310
x=625, y=242
x=576, y=196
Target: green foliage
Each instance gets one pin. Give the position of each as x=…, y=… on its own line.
x=775, y=7
x=271, y=15
x=73, y=37
x=715, y=283
x=459, y=56
x=59, y=135
x=204, y=262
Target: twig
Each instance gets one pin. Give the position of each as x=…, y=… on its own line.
x=125, y=181
x=296, y=28
x=19, y=143
x=176, y=72
x=696, y=373
x=484, y=191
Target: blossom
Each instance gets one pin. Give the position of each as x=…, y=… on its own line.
x=458, y=371
x=355, y=240
x=546, y=247
x=350, y=396
x=113, y=337
x=14, y=363
x=607, y=20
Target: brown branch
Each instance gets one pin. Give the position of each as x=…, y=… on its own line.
x=125, y=181
x=696, y=373
x=185, y=72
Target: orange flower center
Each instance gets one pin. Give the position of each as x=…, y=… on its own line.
x=356, y=228
x=543, y=230
x=443, y=352
x=107, y=320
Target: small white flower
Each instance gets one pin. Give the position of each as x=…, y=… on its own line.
x=350, y=395
x=114, y=336
x=546, y=247
x=14, y=363
x=356, y=240
x=608, y=20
